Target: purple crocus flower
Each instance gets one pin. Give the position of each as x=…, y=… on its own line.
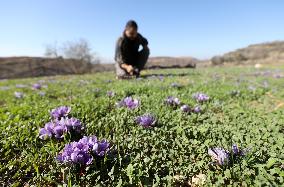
x=173, y=101
x=58, y=128
x=19, y=95
x=89, y=140
x=59, y=112
x=81, y=152
x=238, y=152
x=221, y=155
x=235, y=149
x=185, y=108
x=36, y=86
x=76, y=153
x=81, y=157
x=44, y=134
x=129, y=102
x=59, y=131
x=201, y=97
x=101, y=147
x=146, y=120
x=197, y=109
x=71, y=124
x=47, y=131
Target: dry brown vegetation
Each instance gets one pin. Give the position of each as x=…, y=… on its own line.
x=19, y=67
x=272, y=52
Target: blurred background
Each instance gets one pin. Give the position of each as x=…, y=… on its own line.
x=40, y=38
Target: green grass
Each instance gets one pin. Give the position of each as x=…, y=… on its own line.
x=169, y=154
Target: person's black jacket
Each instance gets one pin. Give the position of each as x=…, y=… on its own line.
x=126, y=50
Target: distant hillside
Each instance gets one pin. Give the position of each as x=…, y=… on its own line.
x=20, y=67
x=272, y=52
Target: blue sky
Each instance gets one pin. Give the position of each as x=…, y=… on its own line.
x=199, y=28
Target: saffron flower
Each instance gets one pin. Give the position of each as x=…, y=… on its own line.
x=185, y=108
x=75, y=153
x=89, y=140
x=47, y=131
x=58, y=128
x=197, y=109
x=146, y=120
x=101, y=147
x=71, y=124
x=172, y=101
x=19, y=95
x=200, y=97
x=58, y=131
x=129, y=102
x=83, y=151
x=220, y=155
x=36, y=86
x=59, y=112
x=52, y=129
x=239, y=152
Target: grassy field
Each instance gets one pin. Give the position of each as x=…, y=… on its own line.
x=245, y=107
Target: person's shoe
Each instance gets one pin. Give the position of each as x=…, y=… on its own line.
x=136, y=72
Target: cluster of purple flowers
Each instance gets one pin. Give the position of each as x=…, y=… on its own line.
x=223, y=156
x=60, y=125
x=200, y=97
x=172, y=101
x=129, y=102
x=83, y=151
x=146, y=120
x=187, y=109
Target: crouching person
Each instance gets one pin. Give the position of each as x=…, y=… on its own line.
x=129, y=61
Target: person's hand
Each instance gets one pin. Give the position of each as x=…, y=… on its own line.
x=130, y=69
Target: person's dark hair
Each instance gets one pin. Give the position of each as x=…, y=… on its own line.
x=131, y=23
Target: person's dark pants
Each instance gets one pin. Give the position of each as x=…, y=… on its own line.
x=142, y=60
